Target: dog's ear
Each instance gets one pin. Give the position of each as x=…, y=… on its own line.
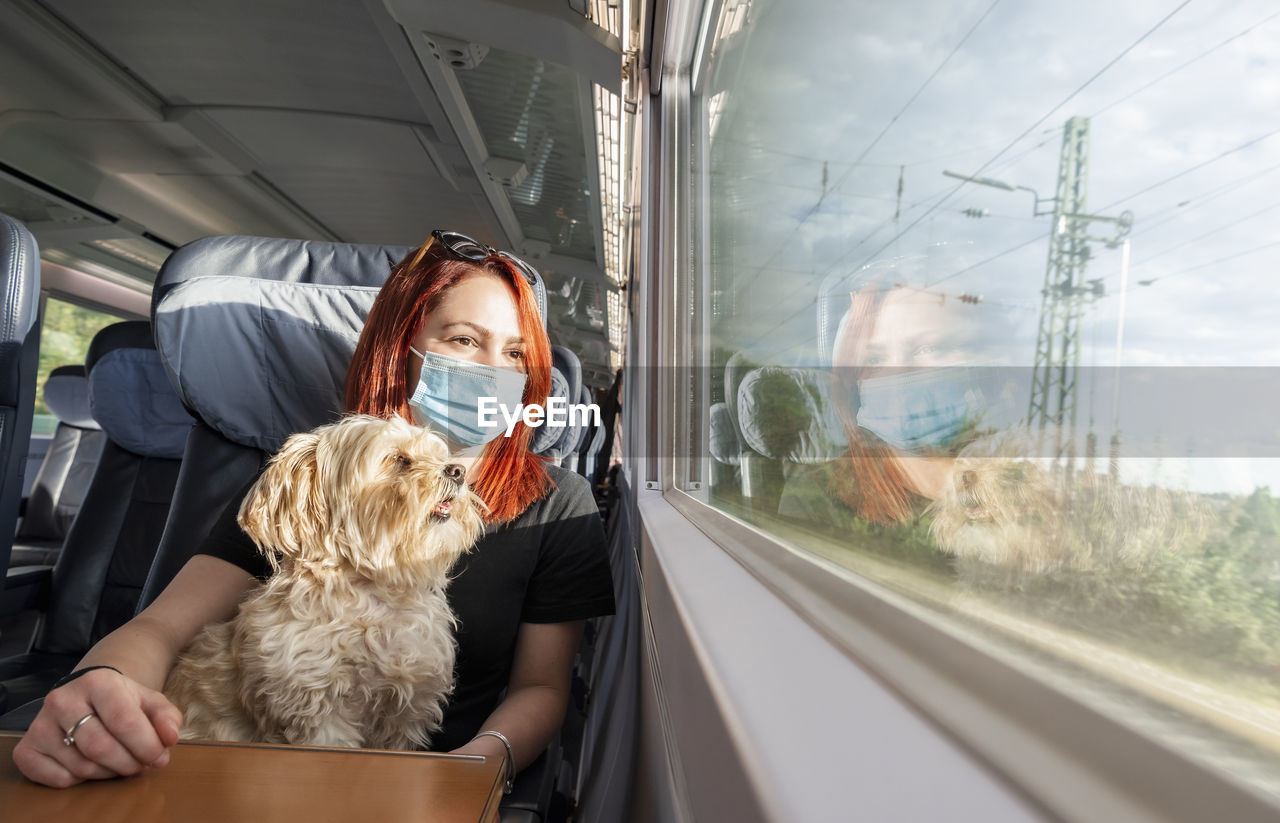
x=283, y=512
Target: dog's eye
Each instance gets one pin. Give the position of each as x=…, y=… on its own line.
x=400, y=462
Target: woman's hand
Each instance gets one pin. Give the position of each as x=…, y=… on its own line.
x=131, y=729
x=132, y=724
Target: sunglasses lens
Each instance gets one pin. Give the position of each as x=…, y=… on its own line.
x=463, y=246
x=468, y=249
x=529, y=272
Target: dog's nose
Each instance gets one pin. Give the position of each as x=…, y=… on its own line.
x=455, y=473
x=968, y=479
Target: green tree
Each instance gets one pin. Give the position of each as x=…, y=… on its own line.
x=64, y=339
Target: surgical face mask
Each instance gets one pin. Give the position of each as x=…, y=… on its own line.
x=922, y=409
x=447, y=398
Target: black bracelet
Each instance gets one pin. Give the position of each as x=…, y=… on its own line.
x=64, y=681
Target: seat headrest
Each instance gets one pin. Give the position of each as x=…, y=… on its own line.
x=786, y=413
x=557, y=441
x=66, y=394
x=546, y=438
x=735, y=368
x=130, y=395
x=257, y=333
x=584, y=399
x=725, y=444
x=131, y=334
x=570, y=366
x=20, y=285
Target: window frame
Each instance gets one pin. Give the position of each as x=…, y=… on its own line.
x=1067, y=757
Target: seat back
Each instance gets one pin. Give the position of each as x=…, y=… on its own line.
x=559, y=442
x=63, y=477
x=256, y=335
x=785, y=413
x=19, y=349
x=586, y=434
x=109, y=548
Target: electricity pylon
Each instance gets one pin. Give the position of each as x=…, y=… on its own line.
x=1066, y=292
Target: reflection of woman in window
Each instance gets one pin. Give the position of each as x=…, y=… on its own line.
x=903, y=409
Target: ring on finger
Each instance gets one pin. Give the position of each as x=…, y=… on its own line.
x=69, y=739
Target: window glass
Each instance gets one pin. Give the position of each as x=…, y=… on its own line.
x=992, y=314
x=64, y=340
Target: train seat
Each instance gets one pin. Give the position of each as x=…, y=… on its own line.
x=590, y=433
x=256, y=335
x=785, y=413
x=585, y=431
x=64, y=474
x=725, y=442
x=109, y=547
x=546, y=439
x=559, y=442
x=19, y=347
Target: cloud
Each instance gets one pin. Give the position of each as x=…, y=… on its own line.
x=810, y=92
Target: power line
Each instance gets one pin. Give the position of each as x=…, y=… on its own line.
x=1178, y=210
x=831, y=193
x=885, y=130
x=814, y=159
x=1179, y=68
x=1200, y=237
x=1244, y=253
x=798, y=186
x=981, y=263
x=1036, y=124
x=807, y=157
x=1196, y=167
x=924, y=85
x=981, y=169
x=1013, y=158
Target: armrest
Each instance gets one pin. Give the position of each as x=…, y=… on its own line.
x=531, y=793
x=25, y=587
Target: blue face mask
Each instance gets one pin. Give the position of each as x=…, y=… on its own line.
x=447, y=398
x=923, y=409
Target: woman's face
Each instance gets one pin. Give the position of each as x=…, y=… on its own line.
x=915, y=330
x=476, y=321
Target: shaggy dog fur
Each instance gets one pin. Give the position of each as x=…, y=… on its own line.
x=1004, y=507
x=350, y=642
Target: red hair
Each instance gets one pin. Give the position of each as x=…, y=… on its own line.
x=879, y=489
x=508, y=477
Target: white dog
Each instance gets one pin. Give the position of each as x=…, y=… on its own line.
x=350, y=642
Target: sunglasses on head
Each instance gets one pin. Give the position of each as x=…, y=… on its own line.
x=466, y=248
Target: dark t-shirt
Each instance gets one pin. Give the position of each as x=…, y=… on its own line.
x=549, y=565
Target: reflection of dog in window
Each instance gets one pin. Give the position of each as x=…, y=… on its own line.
x=1004, y=507
x=350, y=642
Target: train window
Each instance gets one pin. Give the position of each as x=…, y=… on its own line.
x=64, y=340
x=989, y=318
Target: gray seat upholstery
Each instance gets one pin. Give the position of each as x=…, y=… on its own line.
x=600, y=447
x=563, y=440
x=785, y=413
x=63, y=478
x=19, y=345
x=256, y=334
x=110, y=546
x=589, y=434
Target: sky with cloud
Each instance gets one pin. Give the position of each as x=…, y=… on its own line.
x=825, y=109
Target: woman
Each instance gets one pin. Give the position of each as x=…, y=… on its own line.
x=904, y=408
x=453, y=317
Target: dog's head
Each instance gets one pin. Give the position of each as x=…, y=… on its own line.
x=1003, y=505
x=379, y=498
x=1006, y=505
